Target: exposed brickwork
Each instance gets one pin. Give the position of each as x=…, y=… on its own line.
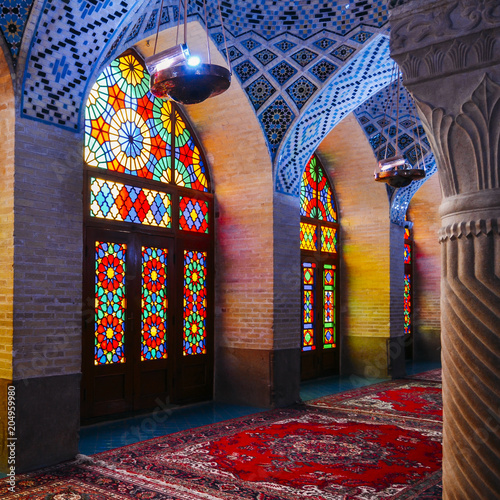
x=364, y=232
x=48, y=251
x=7, y=118
x=427, y=271
x=242, y=178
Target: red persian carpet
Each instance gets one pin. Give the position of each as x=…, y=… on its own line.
x=409, y=398
x=430, y=376
x=332, y=452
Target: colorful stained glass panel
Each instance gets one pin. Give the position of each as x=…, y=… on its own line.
x=193, y=215
x=115, y=201
x=407, y=305
x=195, y=302
x=154, y=304
x=326, y=203
x=127, y=129
x=328, y=239
x=110, y=303
x=309, y=190
x=407, y=255
x=189, y=167
x=308, y=305
x=308, y=238
x=329, y=291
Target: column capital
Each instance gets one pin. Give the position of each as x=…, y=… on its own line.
x=434, y=38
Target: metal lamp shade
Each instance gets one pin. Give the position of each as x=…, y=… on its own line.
x=190, y=84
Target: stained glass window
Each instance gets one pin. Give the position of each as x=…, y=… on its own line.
x=407, y=305
x=154, y=304
x=316, y=195
x=128, y=130
x=189, y=167
x=110, y=303
x=308, y=305
x=193, y=215
x=329, y=323
x=408, y=279
x=318, y=242
x=407, y=255
x=121, y=202
x=308, y=238
x=328, y=239
x=195, y=302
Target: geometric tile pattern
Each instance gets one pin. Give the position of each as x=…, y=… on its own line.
x=71, y=37
x=368, y=72
x=282, y=72
x=260, y=91
x=323, y=70
x=304, y=57
x=265, y=56
x=13, y=17
x=301, y=90
x=343, y=52
x=378, y=116
x=275, y=120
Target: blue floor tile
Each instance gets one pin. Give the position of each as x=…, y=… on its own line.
x=109, y=435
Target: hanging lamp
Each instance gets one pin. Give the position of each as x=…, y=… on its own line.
x=395, y=170
x=177, y=75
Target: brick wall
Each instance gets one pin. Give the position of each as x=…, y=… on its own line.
x=365, y=238
x=427, y=269
x=7, y=120
x=242, y=177
x=48, y=251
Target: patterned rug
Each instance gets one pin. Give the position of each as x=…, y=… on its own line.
x=409, y=398
x=430, y=376
x=297, y=453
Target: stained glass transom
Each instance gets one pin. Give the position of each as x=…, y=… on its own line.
x=329, y=324
x=193, y=215
x=308, y=287
x=121, y=202
x=195, y=302
x=308, y=238
x=154, y=304
x=127, y=129
x=110, y=303
x=316, y=195
x=189, y=167
x=328, y=239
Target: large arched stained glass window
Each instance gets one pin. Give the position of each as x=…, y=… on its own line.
x=319, y=249
x=149, y=241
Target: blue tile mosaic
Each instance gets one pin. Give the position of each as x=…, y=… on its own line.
x=304, y=57
x=285, y=45
x=251, y=44
x=13, y=17
x=301, y=90
x=245, y=70
x=152, y=21
x=361, y=36
x=234, y=53
x=378, y=115
x=323, y=70
x=135, y=30
x=260, y=91
x=368, y=72
x=343, y=52
x=265, y=56
x=275, y=121
x=324, y=43
x=282, y=72
x=80, y=32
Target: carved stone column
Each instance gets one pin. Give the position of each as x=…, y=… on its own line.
x=449, y=52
